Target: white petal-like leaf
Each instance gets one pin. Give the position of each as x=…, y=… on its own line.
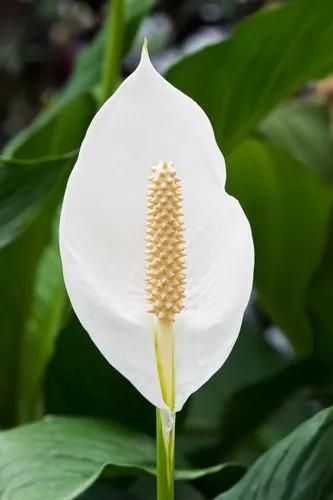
x=102, y=235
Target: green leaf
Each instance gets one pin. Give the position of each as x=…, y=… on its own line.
x=36, y=163
x=32, y=191
x=269, y=56
x=304, y=131
x=49, y=303
x=18, y=266
x=31, y=225
x=299, y=467
x=60, y=458
x=25, y=185
x=288, y=208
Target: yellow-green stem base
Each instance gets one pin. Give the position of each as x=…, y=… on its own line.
x=165, y=453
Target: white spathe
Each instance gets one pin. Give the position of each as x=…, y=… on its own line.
x=102, y=235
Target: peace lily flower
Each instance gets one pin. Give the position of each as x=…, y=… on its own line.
x=157, y=257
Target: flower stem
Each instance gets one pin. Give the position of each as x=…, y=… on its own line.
x=165, y=452
x=165, y=418
x=113, y=49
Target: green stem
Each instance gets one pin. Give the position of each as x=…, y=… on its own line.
x=165, y=453
x=113, y=49
x=165, y=418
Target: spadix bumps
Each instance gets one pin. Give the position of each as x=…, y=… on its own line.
x=165, y=243
x=124, y=263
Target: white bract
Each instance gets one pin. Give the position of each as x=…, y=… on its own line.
x=103, y=227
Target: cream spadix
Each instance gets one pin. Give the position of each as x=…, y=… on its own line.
x=165, y=244
x=110, y=243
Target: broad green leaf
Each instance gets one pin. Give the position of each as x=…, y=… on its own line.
x=288, y=207
x=300, y=467
x=49, y=303
x=31, y=224
x=36, y=163
x=61, y=457
x=304, y=131
x=72, y=110
x=268, y=57
x=18, y=265
x=25, y=185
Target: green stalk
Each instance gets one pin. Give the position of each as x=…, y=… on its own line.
x=113, y=50
x=165, y=418
x=165, y=453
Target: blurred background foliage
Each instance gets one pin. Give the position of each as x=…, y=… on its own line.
x=262, y=427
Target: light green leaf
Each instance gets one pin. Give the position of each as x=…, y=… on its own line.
x=304, y=131
x=59, y=457
x=288, y=208
x=300, y=467
x=268, y=57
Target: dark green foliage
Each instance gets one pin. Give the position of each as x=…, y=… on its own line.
x=300, y=467
x=289, y=211
x=99, y=391
x=269, y=56
x=60, y=457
